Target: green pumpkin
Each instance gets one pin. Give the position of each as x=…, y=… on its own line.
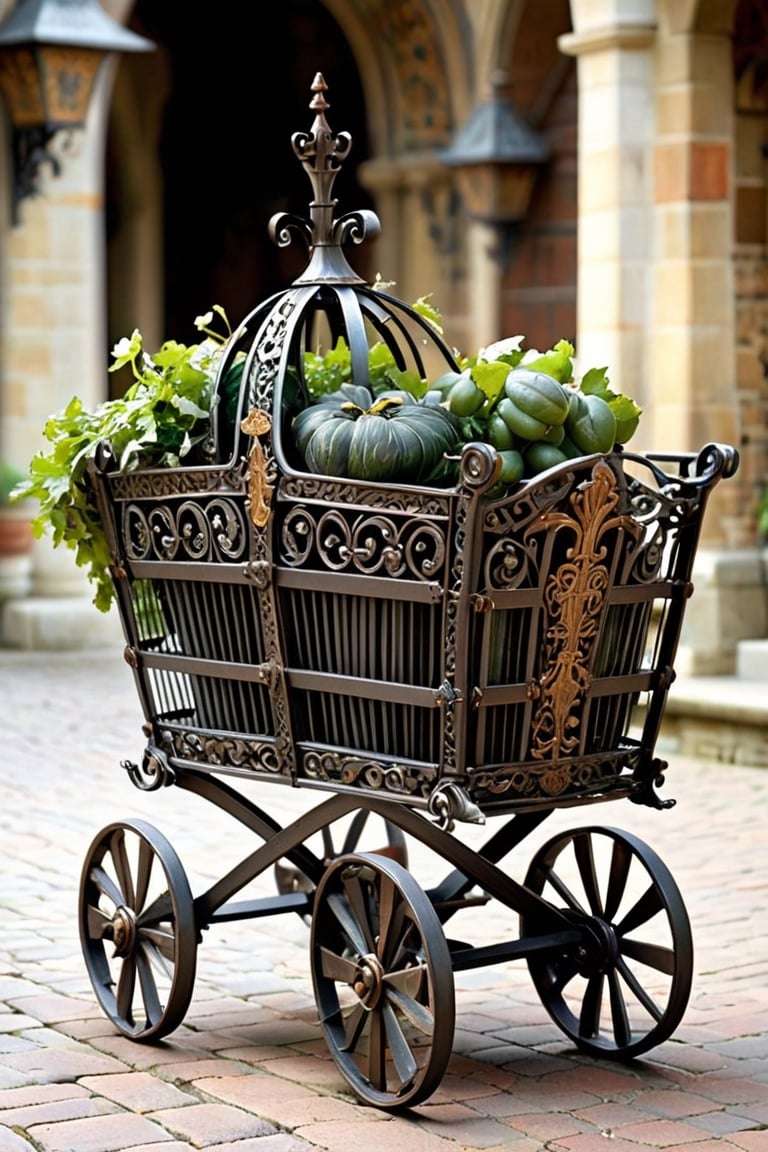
x=392, y=438
x=348, y=394
x=310, y=419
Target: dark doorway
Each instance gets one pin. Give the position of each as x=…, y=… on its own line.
x=235, y=94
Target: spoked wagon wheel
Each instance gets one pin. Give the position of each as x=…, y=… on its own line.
x=625, y=988
x=137, y=929
x=383, y=980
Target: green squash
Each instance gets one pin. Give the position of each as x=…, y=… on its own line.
x=390, y=439
x=591, y=425
x=519, y=423
x=464, y=398
x=538, y=395
x=540, y=456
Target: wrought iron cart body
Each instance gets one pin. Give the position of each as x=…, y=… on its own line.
x=427, y=654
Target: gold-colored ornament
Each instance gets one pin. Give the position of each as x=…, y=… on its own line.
x=258, y=423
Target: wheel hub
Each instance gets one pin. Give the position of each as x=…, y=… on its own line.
x=123, y=931
x=367, y=984
x=599, y=950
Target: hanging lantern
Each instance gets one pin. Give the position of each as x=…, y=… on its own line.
x=50, y=54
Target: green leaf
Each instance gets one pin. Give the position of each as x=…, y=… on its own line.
x=623, y=407
x=556, y=362
x=126, y=351
x=507, y=351
x=595, y=383
x=407, y=381
x=490, y=378
x=187, y=407
x=129, y=455
x=429, y=312
x=159, y=420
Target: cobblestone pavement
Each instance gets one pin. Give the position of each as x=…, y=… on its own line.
x=248, y=1070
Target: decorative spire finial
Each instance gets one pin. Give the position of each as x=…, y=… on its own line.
x=321, y=154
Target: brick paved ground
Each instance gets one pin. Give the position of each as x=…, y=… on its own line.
x=248, y=1071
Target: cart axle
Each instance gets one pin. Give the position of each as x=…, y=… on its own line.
x=468, y=958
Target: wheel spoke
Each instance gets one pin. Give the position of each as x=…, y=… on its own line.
x=564, y=892
x=589, y=1018
x=399, y=931
x=354, y=1022
x=106, y=885
x=161, y=942
x=622, y=1032
x=339, y=905
x=99, y=925
x=377, y=1066
x=328, y=849
x=640, y=993
x=149, y=991
x=123, y=868
x=409, y=980
x=143, y=873
x=159, y=911
x=126, y=986
x=585, y=859
x=337, y=967
x=387, y=916
x=648, y=906
x=357, y=897
x=414, y=1012
x=352, y=838
x=652, y=955
x=402, y=1056
x=621, y=859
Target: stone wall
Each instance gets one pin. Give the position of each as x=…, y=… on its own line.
x=751, y=277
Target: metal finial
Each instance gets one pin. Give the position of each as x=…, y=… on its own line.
x=321, y=154
x=321, y=146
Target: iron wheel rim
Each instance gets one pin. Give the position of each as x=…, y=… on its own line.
x=137, y=929
x=383, y=980
x=619, y=994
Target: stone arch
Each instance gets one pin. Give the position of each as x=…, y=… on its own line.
x=421, y=66
x=539, y=284
x=415, y=64
x=705, y=17
x=199, y=158
x=413, y=61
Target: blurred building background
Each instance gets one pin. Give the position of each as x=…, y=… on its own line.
x=644, y=239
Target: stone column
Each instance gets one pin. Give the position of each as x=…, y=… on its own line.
x=655, y=276
x=53, y=322
x=412, y=194
x=691, y=359
x=615, y=75
x=692, y=365
x=485, y=263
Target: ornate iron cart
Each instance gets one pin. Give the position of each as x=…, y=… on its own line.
x=426, y=654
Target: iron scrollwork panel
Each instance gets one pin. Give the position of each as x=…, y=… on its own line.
x=362, y=542
x=213, y=529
